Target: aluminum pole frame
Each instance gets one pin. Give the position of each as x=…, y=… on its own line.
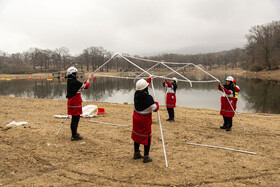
x=177, y=73
x=154, y=76
x=212, y=146
x=147, y=70
x=62, y=125
x=173, y=71
x=135, y=65
x=178, y=69
x=163, y=63
x=104, y=64
x=108, y=123
x=165, y=157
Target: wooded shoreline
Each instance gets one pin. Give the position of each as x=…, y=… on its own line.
x=264, y=75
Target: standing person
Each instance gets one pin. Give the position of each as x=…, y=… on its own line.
x=144, y=104
x=74, y=102
x=226, y=109
x=237, y=89
x=170, y=97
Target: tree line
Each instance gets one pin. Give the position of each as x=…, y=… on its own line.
x=262, y=51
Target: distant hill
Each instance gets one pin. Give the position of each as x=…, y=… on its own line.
x=198, y=49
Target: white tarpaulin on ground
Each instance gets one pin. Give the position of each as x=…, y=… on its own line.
x=89, y=111
x=14, y=123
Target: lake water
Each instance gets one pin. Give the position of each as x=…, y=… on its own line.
x=255, y=95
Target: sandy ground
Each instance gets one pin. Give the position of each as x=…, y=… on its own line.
x=32, y=155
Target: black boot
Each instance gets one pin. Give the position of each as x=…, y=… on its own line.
x=147, y=159
x=223, y=127
x=228, y=129
x=137, y=156
x=76, y=137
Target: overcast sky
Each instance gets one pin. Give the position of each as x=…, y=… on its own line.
x=137, y=27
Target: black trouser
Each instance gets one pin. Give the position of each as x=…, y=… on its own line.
x=227, y=122
x=170, y=113
x=74, y=125
x=146, y=147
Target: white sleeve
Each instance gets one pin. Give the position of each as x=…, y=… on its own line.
x=82, y=88
x=153, y=106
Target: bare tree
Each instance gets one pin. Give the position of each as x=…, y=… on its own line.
x=263, y=44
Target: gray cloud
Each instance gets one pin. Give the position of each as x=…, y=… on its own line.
x=135, y=27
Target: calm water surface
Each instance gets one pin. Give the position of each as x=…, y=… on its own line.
x=255, y=95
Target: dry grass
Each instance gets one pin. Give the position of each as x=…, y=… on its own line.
x=32, y=155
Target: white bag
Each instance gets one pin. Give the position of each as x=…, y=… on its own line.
x=89, y=111
x=14, y=123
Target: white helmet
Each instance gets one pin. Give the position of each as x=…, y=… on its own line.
x=141, y=84
x=71, y=70
x=230, y=78
x=174, y=79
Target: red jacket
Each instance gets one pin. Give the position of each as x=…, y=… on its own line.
x=226, y=109
x=170, y=95
x=142, y=124
x=74, y=104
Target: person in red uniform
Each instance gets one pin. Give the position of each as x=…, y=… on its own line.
x=237, y=89
x=170, y=97
x=74, y=100
x=226, y=107
x=144, y=104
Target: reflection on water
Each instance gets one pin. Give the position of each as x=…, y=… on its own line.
x=255, y=96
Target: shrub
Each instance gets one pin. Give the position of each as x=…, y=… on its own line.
x=256, y=67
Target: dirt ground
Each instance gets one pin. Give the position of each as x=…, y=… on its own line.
x=32, y=155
